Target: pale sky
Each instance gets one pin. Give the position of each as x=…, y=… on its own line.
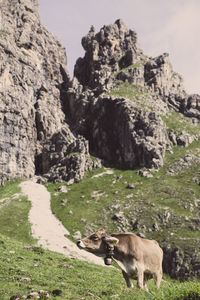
x=171, y=26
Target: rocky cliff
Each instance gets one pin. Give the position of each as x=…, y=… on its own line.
x=34, y=135
x=42, y=112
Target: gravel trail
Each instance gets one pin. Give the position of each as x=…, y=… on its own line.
x=47, y=229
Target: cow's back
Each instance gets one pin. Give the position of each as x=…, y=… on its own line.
x=146, y=252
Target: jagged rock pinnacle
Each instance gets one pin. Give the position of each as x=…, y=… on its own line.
x=114, y=47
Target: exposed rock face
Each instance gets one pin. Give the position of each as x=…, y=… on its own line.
x=35, y=137
x=32, y=80
x=159, y=73
x=121, y=133
x=118, y=130
x=63, y=161
x=113, y=51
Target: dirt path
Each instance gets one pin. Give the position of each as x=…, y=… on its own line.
x=47, y=229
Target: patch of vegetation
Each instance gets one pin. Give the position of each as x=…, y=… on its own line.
x=73, y=153
x=128, y=90
x=134, y=93
x=11, y=188
x=134, y=66
x=3, y=33
x=14, y=209
x=24, y=270
x=178, y=122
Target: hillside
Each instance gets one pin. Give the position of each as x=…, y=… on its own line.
x=124, y=115
x=28, y=271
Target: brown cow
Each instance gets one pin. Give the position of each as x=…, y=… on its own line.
x=138, y=258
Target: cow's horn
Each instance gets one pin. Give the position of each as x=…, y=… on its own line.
x=111, y=240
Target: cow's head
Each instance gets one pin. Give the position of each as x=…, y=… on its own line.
x=97, y=242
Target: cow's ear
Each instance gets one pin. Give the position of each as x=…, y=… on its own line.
x=111, y=240
x=102, y=231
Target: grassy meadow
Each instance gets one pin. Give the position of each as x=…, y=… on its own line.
x=26, y=268
x=31, y=269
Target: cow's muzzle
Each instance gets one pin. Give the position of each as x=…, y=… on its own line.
x=80, y=244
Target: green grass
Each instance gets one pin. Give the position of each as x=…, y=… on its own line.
x=134, y=66
x=137, y=94
x=178, y=122
x=14, y=209
x=3, y=33
x=48, y=270
x=128, y=90
x=75, y=279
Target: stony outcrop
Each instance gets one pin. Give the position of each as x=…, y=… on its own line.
x=159, y=75
x=181, y=263
x=43, y=114
x=114, y=54
x=191, y=107
x=63, y=161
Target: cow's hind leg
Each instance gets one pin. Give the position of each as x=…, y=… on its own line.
x=146, y=278
x=127, y=279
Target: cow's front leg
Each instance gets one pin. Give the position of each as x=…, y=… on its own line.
x=158, y=278
x=127, y=279
x=140, y=278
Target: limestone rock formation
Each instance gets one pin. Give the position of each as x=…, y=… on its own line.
x=118, y=95
x=159, y=75
x=113, y=48
x=124, y=132
x=38, y=101
x=30, y=109
x=32, y=80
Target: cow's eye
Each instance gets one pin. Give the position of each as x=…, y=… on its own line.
x=94, y=238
